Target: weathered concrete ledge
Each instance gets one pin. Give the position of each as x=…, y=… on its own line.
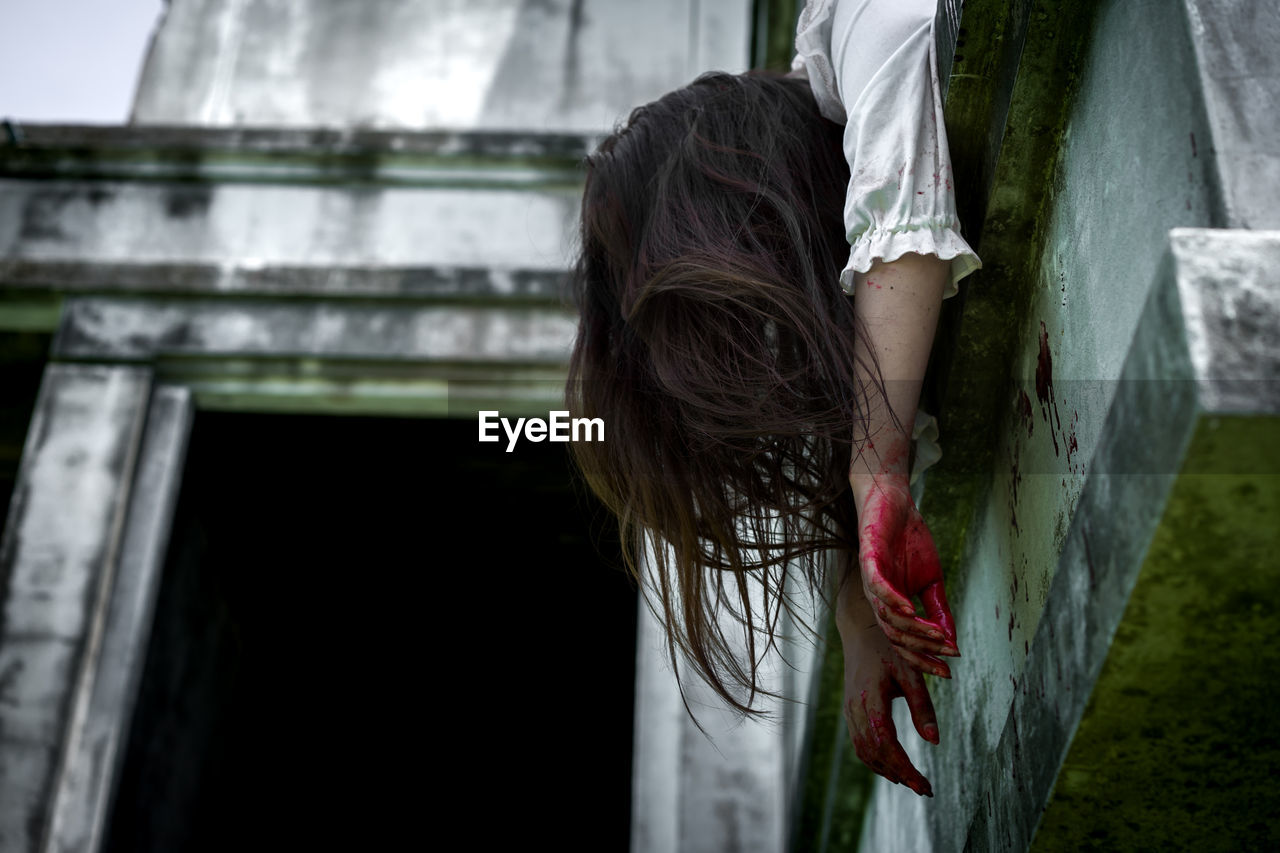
x=492, y=285
x=267, y=225
x=293, y=155
x=324, y=355
x=1230, y=295
x=119, y=329
x=1186, y=350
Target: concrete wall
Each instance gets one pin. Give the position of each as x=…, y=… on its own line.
x=1126, y=174
x=244, y=225
x=513, y=64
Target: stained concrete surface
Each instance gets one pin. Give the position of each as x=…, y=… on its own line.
x=532, y=65
x=140, y=330
x=280, y=224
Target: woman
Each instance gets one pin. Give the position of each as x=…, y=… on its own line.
x=758, y=416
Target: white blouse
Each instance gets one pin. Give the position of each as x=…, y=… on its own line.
x=873, y=67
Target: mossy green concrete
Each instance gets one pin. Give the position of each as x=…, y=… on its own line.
x=1007, y=106
x=1177, y=749
x=28, y=311
x=23, y=356
x=773, y=33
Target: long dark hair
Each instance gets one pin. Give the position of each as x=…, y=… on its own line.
x=718, y=348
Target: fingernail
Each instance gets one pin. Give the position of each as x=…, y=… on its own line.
x=931, y=734
x=937, y=635
x=942, y=671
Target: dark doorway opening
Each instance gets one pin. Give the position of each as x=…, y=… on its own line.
x=23, y=356
x=379, y=633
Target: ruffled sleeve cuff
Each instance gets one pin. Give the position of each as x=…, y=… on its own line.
x=813, y=57
x=936, y=237
x=928, y=451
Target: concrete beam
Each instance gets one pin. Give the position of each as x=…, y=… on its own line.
x=403, y=389
x=59, y=554
x=262, y=225
x=1090, y=169
x=490, y=285
x=310, y=156
x=118, y=329
x=41, y=147
x=333, y=355
x=95, y=748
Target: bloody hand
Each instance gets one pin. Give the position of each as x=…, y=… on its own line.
x=899, y=562
x=874, y=675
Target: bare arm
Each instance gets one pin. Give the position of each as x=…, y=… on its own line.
x=898, y=305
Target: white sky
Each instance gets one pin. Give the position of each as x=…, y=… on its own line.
x=72, y=61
